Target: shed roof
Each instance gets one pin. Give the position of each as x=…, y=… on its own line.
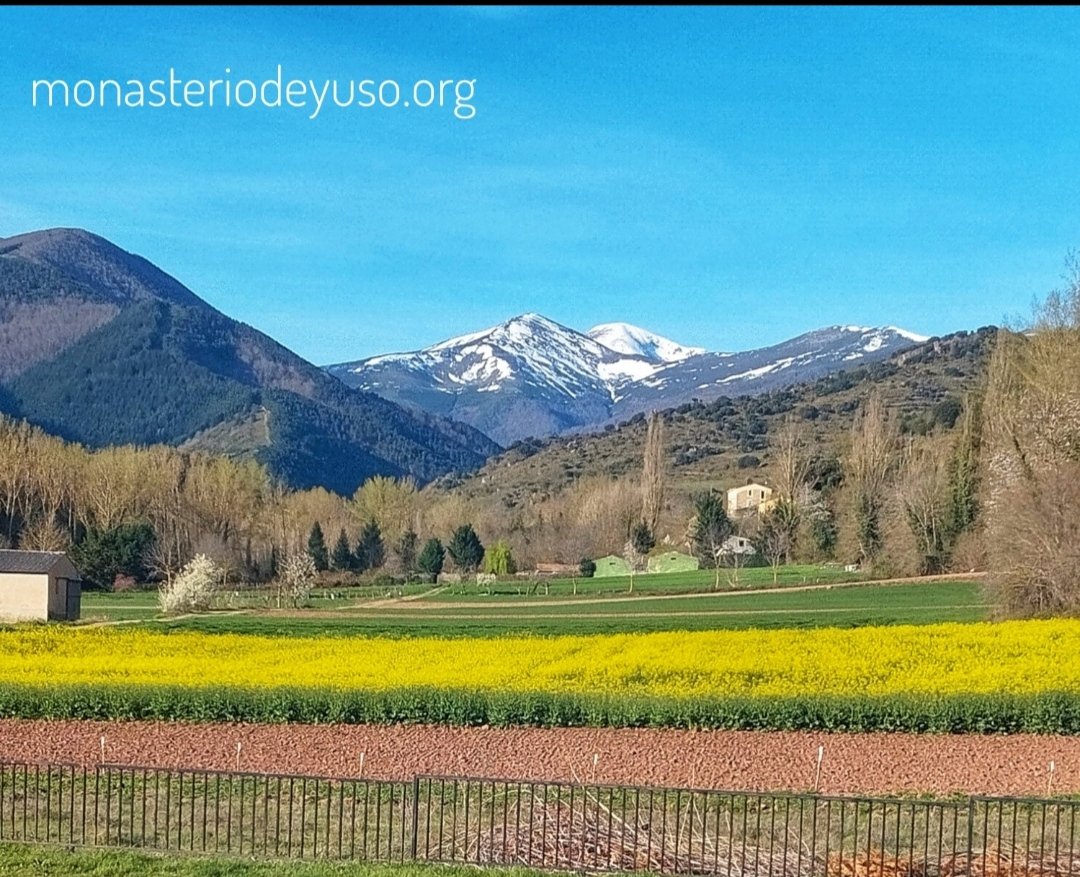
x=41, y=562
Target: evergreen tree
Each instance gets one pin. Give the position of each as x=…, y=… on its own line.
x=823, y=530
x=405, y=549
x=587, y=567
x=643, y=539
x=709, y=530
x=342, y=559
x=119, y=551
x=430, y=561
x=466, y=549
x=316, y=548
x=637, y=548
x=370, y=553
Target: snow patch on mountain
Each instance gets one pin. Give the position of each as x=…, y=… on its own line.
x=758, y=372
x=635, y=341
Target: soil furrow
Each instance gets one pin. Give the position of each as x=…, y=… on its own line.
x=852, y=763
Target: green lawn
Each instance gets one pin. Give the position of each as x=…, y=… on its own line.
x=136, y=605
x=143, y=605
x=695, y=581
x=56, y=862
x=849, y=606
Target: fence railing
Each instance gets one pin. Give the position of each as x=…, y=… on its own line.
x=559, y=826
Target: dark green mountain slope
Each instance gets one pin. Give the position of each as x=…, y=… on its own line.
x=101, y=347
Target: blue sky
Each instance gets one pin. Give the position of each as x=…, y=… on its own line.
x=728, y=178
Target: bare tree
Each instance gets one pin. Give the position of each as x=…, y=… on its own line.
x=774, y=538
x=43, y=535
x=869, y=466
x=790, y=468
x=1031, y=451
x=1035, y=562
x=790, y=462
x=652, y=478
x=923, y=493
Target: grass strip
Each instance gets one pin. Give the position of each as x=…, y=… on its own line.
x=1047, y=712
x=19, y=859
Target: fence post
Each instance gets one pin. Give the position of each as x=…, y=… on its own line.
x=415, y=814
x=970, y=835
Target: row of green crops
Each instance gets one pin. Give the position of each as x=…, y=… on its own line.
x=1042, y=713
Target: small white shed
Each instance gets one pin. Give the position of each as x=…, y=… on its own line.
x=39, y=586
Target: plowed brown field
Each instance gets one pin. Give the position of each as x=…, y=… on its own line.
x=863, y=763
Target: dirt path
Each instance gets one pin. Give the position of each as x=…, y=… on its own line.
x=394, y=601
x=541, y=616
x=852, y=763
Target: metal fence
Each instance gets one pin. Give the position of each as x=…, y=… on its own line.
x=559, y=826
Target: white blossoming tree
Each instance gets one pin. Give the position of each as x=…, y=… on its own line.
x=193, y=589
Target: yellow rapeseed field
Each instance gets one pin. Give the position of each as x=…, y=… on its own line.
x=1015, y=657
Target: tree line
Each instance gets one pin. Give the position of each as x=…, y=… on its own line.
x=132, y=513
x=991, y=481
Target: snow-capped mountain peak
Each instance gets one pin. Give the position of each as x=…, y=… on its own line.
x=635, y=341
x=531, y=376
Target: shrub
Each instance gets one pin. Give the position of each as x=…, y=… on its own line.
x=498, y=559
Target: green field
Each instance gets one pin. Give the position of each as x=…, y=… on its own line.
x=142, y=605
x=16, y=859
x=847, y=606
x=803, y=596
x=689, y=582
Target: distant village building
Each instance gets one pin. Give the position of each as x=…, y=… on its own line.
x=672, y=561
x=39, y=586
x=737, y=545
x=748, y=498
x=611, y=565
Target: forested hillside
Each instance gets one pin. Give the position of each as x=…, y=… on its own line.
x=103, y=348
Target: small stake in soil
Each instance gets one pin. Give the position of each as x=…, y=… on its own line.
x=1050, y=778
x=239, y=746
x=102, y=743
x=361, y=774
x=817, y=770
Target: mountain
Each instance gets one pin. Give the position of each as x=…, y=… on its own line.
x=532, y=377
x=729, y=441
x=709, y=376
x=99, y=346
x=527, y=376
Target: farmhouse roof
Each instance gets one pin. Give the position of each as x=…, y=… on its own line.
x=31, y=561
